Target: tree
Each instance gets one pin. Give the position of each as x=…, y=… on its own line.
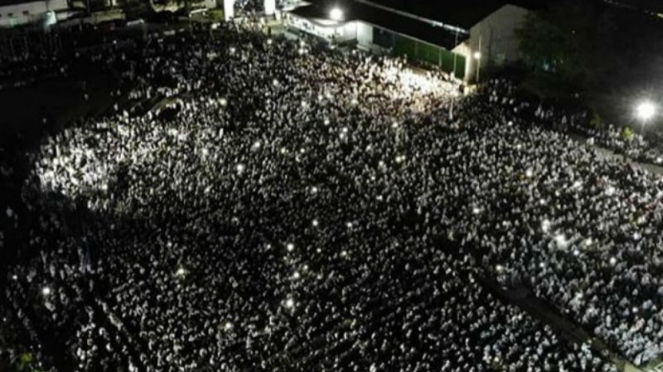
x=605, y=53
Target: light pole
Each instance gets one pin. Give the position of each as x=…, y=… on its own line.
x=477, y=57
x=645, y=111
x=453, y=78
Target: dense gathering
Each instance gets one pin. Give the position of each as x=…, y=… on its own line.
x=264, y=204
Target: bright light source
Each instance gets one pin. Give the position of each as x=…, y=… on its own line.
x=545, y=225
x=290, y=247
x=46, y=291
x=315, y=223
x=646, y=111
x=223, y=102
x=256, y=145
x=296, y=275
x=240, y=168
x=336, y=14
x=477, y=55
x=289, y=303
x=228, y=326
x=613, y=261
x=610, y=191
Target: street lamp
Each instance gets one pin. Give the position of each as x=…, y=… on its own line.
x=477, y=57
x=645, y=111
x=336, y=14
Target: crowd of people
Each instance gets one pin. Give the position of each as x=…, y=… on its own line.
x=294, y=208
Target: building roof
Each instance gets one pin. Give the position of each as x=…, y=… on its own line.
x=384, y=19
x=16, y=2
x=458, y=13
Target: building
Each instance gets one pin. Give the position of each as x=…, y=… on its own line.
x=463, y=37
x=44, y=12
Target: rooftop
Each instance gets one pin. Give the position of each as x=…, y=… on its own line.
x=387, y=20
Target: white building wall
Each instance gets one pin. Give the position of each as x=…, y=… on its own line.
x=340, y=32
x=270, y=7
x=364, y=35
x=35, y=11
x=494, y=37
x=228, y=9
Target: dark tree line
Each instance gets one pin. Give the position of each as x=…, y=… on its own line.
x=607, y=55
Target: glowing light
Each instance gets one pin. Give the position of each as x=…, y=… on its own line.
x=232, y=50
x=477, y=55
x=587, y=242
x=275, y=82
x=646, y=111
x=344, y=253
x=576, y=252
x=240, y=168
x=180, y=272
x=256, y=145
x=577, y=185
x=223, y=102
x=545, y=225
x=228, y=326
x=336, y=14
x=542, y=265
x=355, y=101
x=326, y=122
x=637, y=236
x=348, y=225
x=613, y=261
x=315, y=223
x=283, y=150
x=394, y=125
x=476, y=210
x=14, y=277
x=529, y=172
x=296, y=275
x=304, y=104
x=499, y=268
x=46, y=291
x=269, y=41
x=289, y=303
x=314, y=190
x=610, y=191
x=290, y=247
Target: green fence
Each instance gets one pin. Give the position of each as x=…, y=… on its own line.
x=418, y=51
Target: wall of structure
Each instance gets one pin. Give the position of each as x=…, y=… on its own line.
x=416, y=50
x=19, y=14
x=339, y=32
x=494, y=38
x=364, y=35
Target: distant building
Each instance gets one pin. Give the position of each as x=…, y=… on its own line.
x=44, y=12
x=464, y=36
